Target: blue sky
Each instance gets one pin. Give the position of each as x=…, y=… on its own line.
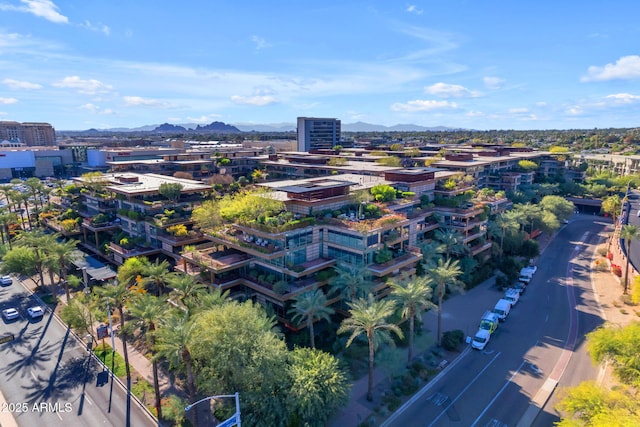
x=492, y=64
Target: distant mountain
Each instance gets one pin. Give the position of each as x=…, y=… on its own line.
x=220, y=127
x=217, y=127
x=166, y=127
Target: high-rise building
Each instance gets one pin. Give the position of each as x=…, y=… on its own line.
x=30, y=134
x=316, y=133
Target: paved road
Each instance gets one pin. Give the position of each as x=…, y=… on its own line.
x=49, y=378
x=634, y=201
x=530, y=352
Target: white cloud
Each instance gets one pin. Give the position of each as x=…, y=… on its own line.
x=7, y=101
x=260, y=42
x=87, y=87
x=623, y=98
x=423, y=105
x=207, y=118
x=42, y=8
x=493, y=82
x=101, y=28
x=519, y=110
x=625, y=68
x=135, y=101
x=17, y=84
x=445, y=90
x=258, y=100
x=475, y=114
x=412, y=8
x=96, y=109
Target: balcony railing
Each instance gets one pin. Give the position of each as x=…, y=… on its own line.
x=395, y=264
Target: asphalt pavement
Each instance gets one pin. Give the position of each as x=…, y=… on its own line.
x=49, y=377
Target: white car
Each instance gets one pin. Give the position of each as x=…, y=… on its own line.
x=481, y=339
x=6, y=280
x=35, y=311
x=10, y=314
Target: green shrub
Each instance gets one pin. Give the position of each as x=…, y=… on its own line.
x=451, y=340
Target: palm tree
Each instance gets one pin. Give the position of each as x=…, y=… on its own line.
x=7, y=218
x=174, y=338
x=431, y=252
x=308, y=308
x=352, y=281
x=157, y=275
x=187, y=290
x=369, y=318
x=413, y=296
x=41, y=243
x=452, y=241
x=116, y=295
x=445, y=276
x=628, y=233
x=530, y=213
x=506, y=221
x=146, y=311
x=63, y=253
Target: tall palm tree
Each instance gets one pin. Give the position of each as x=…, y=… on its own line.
x=530, y=213
x=369, y=318
x=445, y=276
x=352, y=281
x=414, y=297
x=63, y=253
x=116, y=295
x=506, y=221
x=7, y=218
x=157, y=275
x=309, y=307
x=452, y=241
x=628, y=233
x=187, y=291
x=41, y=243
x=174, y=340
x=146, y=312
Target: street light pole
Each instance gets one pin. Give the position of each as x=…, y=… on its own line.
x=233, y=420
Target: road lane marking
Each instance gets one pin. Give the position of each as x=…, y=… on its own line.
x=425, y=389
x=498, y=394
x=465, y=389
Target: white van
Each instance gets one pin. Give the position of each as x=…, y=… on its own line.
x=512, y=295
x=481, y=339
x=502, y=309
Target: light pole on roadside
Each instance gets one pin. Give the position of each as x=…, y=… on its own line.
x=231, y=421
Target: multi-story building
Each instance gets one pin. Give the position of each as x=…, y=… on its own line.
x=29, y=134
x=317, y=133
x=332, y=220
x=126, y=215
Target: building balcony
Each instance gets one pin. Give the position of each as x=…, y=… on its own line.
x=110, y=225
x=395, y=265
x=256, y=246
x=131, y=252
x=217, y=262
x=309, y=267
x=469, y=212
x=191, y=238
x=475, y=250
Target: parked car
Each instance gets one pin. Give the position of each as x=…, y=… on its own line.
x=512, y=295
x=6, y=280
x=10, y=314
x=502, y=309
x=481, y=339
x=35, y=311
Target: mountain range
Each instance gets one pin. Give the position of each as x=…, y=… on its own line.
x=220, y=127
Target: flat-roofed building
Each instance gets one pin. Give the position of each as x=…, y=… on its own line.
x=28, y=133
